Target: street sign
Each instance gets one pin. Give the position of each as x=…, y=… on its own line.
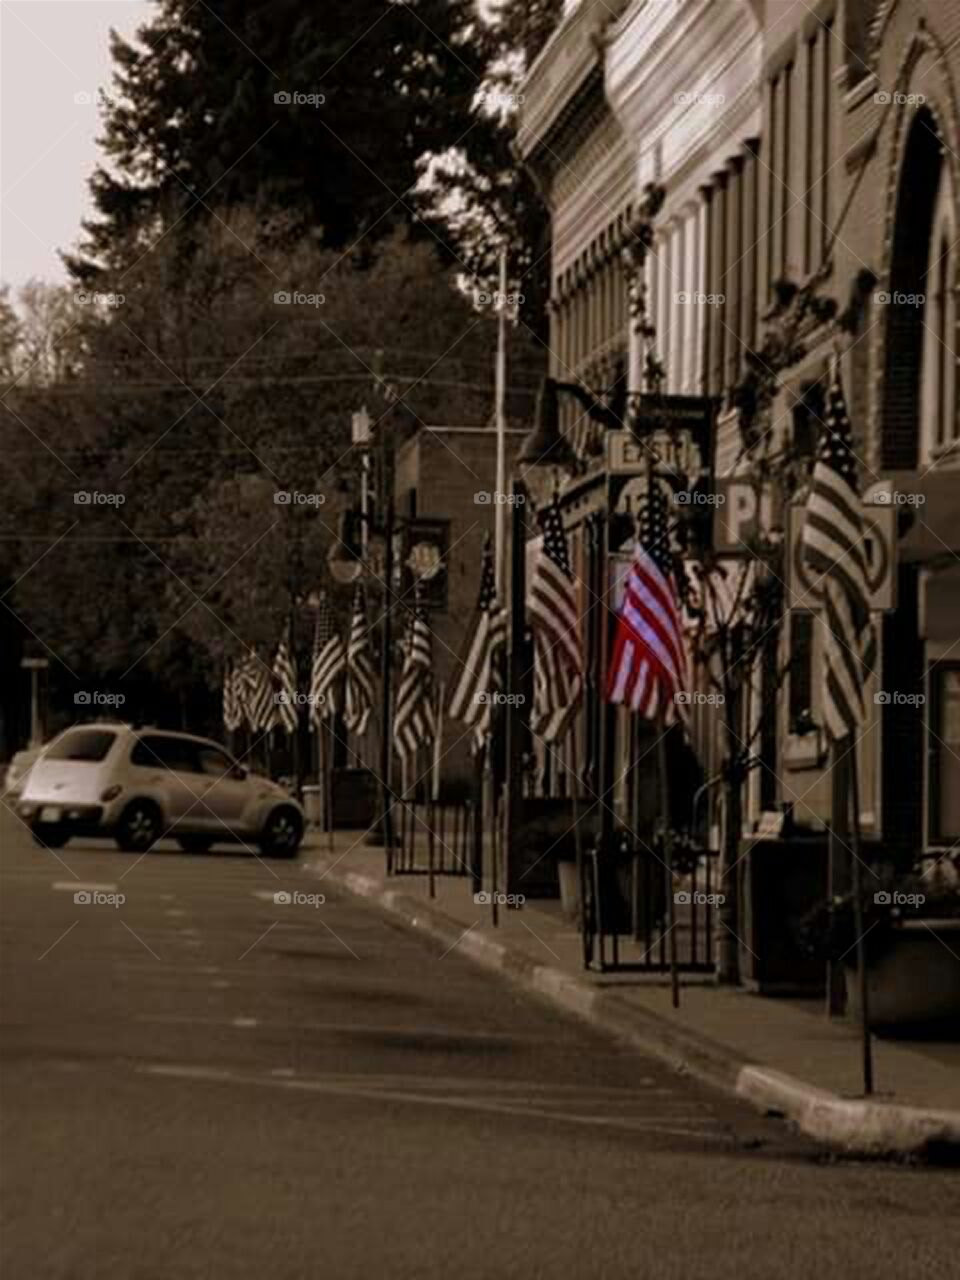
x=880, y=542
x=741, y=514
x=34, y=664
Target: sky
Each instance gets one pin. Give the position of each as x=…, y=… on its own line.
x=50, y=51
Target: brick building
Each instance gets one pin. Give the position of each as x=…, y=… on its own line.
x=445, y=483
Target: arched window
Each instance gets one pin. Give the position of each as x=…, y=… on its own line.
x=938, y=401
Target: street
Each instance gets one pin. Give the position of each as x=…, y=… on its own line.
x=200, y=1081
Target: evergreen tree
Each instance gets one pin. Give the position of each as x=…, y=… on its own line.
x=319, y=111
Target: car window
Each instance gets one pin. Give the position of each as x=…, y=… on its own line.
x=88, y=745
x=156, y=750
x=215, y=762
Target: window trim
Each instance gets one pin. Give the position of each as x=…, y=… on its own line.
x=935, y=838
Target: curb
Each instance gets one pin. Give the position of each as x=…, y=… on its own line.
x=853, y=1127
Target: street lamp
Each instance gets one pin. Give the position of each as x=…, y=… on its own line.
x=345, y=558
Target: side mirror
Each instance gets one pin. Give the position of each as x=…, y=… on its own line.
x=239, y=772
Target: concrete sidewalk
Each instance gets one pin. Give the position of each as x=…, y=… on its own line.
x=784, y=1056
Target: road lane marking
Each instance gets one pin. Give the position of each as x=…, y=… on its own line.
x=84, y=886
x=440, y=1035
x=640, y=1126
x=244, y=1022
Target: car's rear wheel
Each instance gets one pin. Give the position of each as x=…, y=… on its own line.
x=140, y=827
x=282, y=833
x=195, y=844
x=49, y=836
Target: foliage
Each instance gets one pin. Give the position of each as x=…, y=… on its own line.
x=474, y=192
x=828, y=930
x=41, y=337
x=203, y=115
x=198, y=399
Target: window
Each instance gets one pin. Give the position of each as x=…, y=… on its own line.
x=159, y=751
x=88, y=746
x=945, y=753
x=938, y=409
x=826, y=125
x=773, y=230
x=787, y=199
x=215, y=762
x=810, y=153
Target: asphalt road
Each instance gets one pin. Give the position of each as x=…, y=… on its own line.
x=202, y=1082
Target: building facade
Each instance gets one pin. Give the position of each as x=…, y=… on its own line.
x=792, y=140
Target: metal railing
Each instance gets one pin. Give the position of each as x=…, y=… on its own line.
x=625, y=914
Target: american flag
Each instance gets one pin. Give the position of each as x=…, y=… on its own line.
x=555, y=621
x=414, y=720
x=472, y=701
x=834, y=548
x=245, y=681
x=232, y=697
x=648, y=668
x=261, y=707
x=285, y=695
x=361, y=682
x=327, y=665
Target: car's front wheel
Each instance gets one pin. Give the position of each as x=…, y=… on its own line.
x=140, y=827
x=282, y=833
x=49, y=836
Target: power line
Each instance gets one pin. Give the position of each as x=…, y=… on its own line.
x=306, y=380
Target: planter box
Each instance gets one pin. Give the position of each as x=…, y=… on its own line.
x=915, y=982
x=543, y=838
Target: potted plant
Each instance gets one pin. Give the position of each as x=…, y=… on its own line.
x=911, y=936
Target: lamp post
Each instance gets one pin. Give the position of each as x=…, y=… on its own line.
x=349, y=560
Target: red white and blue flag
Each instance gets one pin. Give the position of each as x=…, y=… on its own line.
x=555, y=622
x=649, y=664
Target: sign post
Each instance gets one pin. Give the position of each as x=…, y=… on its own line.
x=35, y=666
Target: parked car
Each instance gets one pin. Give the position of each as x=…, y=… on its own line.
x=140, y=784
x=17, y=770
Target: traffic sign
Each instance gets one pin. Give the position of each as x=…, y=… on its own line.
x=804, y=590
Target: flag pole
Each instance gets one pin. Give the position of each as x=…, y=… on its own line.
x=438, y=742
x=668, y=857
x=500, y=513
x=866, y=1045
x=436, y=752
x=326, y=730
x=578, y=839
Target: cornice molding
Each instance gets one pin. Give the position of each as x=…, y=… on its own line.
x=556, y=79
